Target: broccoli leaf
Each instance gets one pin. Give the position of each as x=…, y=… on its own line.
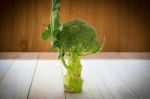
x=55, y=5
x=55, y=44
x=55, y=14
x=49, y=26
x=46, y=34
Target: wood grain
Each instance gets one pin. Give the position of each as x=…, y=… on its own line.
x=48, y=79
x=112, y=87
x=134, y=74
x=6, y=60
x=16, y=83
x=106, y=76
x=124, y=22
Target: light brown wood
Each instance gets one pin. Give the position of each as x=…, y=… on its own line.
x=124, y=22
x=16, y=83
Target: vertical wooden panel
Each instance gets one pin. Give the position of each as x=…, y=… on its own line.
x=123, y=26
x=41, y=20
x=124, y=22
x=139, y=23
x=26, y=41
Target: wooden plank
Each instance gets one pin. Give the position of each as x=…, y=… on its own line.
x=113, y=87
x=41, y=18
x=136, y=73
x=135, y=55
x=16, y=83
x=48, y=79
x=125, y=23
x=104, y=55
x=6, y=59
x=2, y=54
x=49, y=55
x=97, y=79
x=138, y=26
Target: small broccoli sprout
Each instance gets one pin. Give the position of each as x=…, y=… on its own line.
x=74, y=38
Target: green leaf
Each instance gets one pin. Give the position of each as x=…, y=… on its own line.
x=55, y=44
x=55, y=33
x=61, y=27
x=55, y=20
x=55, y=14
x=55, y=5
x=49, y=26
x=46, y=34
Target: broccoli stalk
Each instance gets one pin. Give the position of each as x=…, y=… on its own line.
x=72, y=80
x=75, y=39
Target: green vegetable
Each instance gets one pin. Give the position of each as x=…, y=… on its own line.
x=74, y=38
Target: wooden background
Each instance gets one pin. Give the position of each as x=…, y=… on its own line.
x=126, y=23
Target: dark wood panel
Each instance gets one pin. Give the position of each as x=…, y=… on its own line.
x=139, y=23
x=124, y=22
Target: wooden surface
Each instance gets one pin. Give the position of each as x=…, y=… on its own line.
x=106, y=76
x=124, y=22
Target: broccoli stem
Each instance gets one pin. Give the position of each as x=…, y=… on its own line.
x=63, y=62
x=72, y=80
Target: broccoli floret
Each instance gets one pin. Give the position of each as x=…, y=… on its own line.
x=78, y=35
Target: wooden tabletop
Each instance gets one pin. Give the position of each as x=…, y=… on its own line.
x=106, y=76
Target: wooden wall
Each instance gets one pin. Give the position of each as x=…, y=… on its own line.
x=126, y=23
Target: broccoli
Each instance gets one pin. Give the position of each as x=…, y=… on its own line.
x=75, y=39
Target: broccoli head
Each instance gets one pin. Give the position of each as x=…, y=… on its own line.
x=78, y=36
